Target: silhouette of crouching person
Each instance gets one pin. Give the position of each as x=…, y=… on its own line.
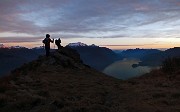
x=47, y=41
x=58, y=43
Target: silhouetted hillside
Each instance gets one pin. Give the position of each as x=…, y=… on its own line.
x=171, y=65
x=62, y=83
x=97, y=57
x=151, y=57
x=138, y=53
x=15, y=57
x=156, y=59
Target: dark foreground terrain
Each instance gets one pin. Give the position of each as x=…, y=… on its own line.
x=62, y=83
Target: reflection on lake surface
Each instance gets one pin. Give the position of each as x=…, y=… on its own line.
x=123, y=69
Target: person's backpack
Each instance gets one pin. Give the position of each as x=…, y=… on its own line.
x=45, y=41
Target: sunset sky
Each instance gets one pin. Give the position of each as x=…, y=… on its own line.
x=117, y=24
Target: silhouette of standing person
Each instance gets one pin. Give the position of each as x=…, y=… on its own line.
x=47, y=41
x=58, y=43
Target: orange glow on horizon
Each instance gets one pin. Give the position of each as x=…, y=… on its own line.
x=142, y=47
x=37, y=44
x=118, y=43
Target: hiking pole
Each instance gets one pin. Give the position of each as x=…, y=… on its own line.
x=53, y=43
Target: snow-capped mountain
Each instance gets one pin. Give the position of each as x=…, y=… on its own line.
x=40, y=47
x=2, y=46
x=16, y=47
x=76, y=44
x=80, y=44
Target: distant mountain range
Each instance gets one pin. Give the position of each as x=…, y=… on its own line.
x=80, y=44
x=156, y=59
x=138, y=53
x=151, y=57
x=11, y=58
x=95, y=56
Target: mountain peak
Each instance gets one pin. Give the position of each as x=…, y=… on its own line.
x=17, y=47
x=64, y=58
x=76, y=44
x=2, y=46
x=80, y=44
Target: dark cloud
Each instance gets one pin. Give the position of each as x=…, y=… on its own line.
x=89, y=18
x=19, y=39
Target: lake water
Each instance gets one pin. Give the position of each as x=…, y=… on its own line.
x=123, y=69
